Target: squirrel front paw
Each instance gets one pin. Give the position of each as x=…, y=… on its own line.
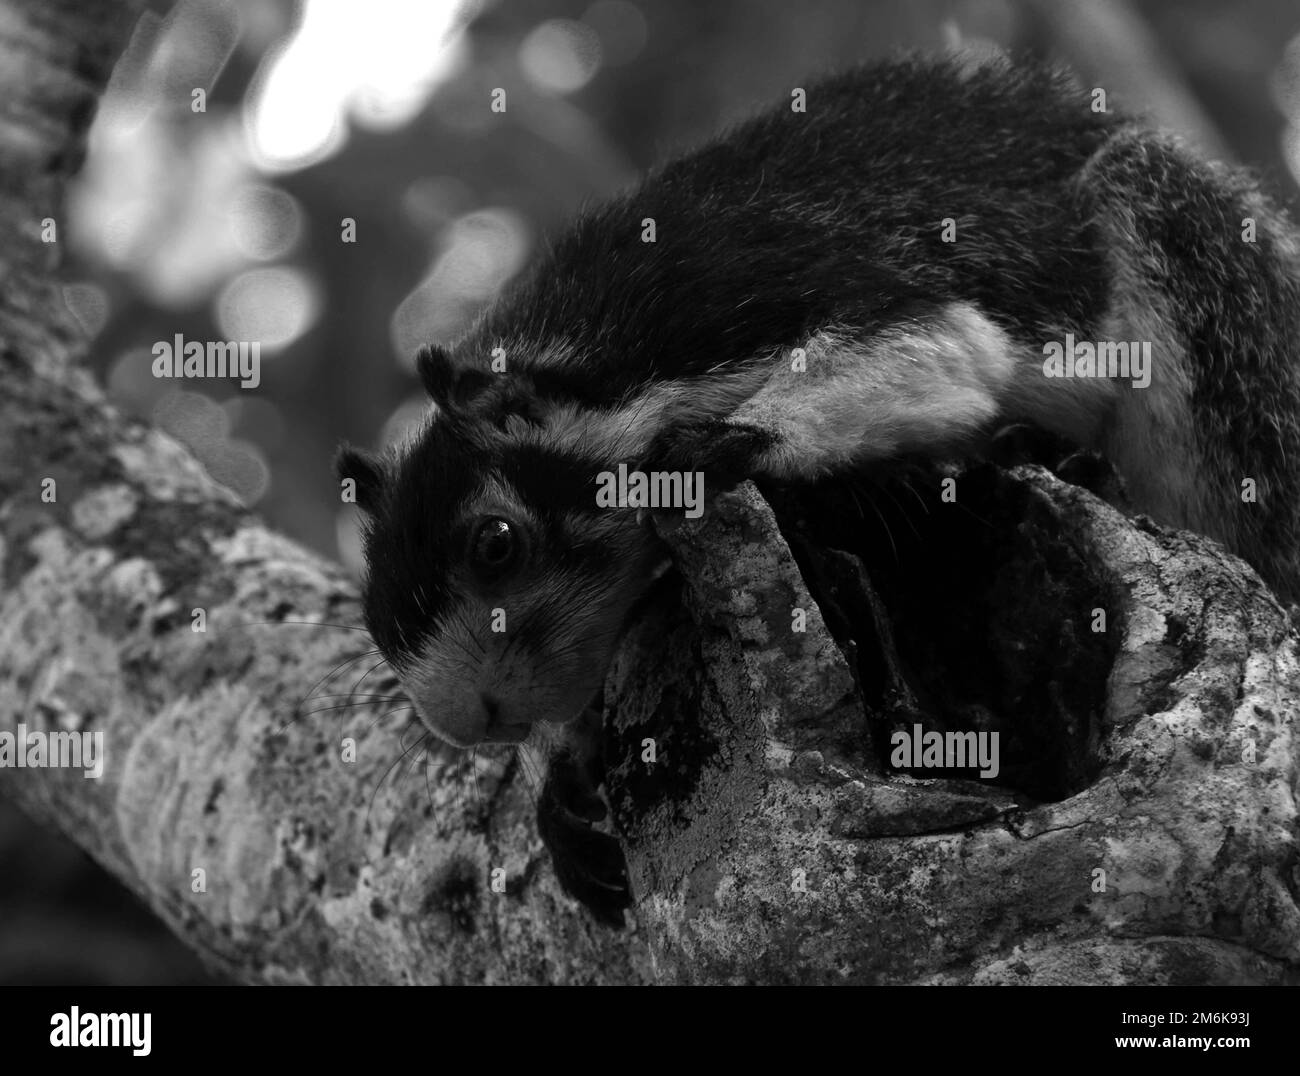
x=726, y=452
x=589, y=864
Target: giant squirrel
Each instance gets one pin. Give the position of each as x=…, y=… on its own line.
x=892, y=270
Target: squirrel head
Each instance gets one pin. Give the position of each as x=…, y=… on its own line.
x=496, y=586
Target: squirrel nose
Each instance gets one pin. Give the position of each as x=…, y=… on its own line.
x=497, y=730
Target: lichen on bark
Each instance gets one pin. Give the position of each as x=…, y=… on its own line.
x=775, y=845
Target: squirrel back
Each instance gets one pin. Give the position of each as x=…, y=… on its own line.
x=922, y=236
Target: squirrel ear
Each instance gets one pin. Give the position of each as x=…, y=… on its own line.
x=437, y=374
x=450, y=388
x=469, y=385
x=366, y=473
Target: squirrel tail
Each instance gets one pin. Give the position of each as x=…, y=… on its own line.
x=1206, y=274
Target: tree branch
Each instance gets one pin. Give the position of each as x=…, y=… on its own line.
x=314, y=871
x=768, y=839
x=780, y=847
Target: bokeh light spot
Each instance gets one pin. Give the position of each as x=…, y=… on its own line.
x=90, y=305
x=484, y=250
x=377, y=62
x=560, y=55
x=265, y=221
x=273, y=306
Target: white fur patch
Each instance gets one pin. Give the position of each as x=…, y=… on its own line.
x=624, y=433
x=925, y=385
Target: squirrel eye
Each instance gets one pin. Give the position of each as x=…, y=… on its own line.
x=495, y=547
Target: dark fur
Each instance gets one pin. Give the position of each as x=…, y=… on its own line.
x=793, y=223
x=795, y=220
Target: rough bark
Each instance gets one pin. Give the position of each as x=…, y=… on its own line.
x=770, y=742
x=773, y=845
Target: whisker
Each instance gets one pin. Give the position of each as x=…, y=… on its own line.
x=428, y=788
x=366, y=822
x=884, y=488
x=306, y=624
x=389, y=713
x=344, y=706
x=473, y=770
x=372, y=697
x=469, y=632
x=520, y=630
x=333, y=672
x=422, y=742
x=531, y=767
x=884, y=523
x=907, y=485
x=372, y=668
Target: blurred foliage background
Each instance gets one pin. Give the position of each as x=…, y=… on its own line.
x=227, y=222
